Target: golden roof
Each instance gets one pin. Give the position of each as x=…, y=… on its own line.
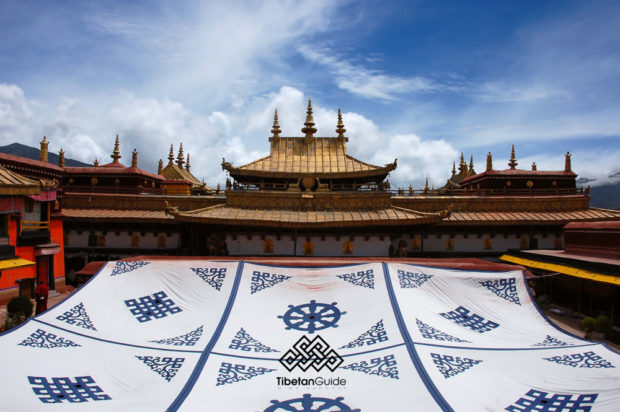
x=12, y=183
x=323, y=156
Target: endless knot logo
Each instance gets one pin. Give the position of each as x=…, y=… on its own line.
x=307, y=353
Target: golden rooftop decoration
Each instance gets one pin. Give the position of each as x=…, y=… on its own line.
x=276, y=128
x=453, y=169
x=471, y=170
x=187, y=163
x=567, y=163
x=160, y=167
x=43, y=154
x=61, y=158
x=96, y=163
x=513, y=160
x=489, y=162
x=309, y=130
x=462, y=165
x=180, y=159
x=533, y=166
x=340, y=127
x=116, y=154
x=134, y=158
x=171, y=155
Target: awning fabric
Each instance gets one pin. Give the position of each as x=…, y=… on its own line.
x=205, y=335
x=15, y=263
x=567, y=270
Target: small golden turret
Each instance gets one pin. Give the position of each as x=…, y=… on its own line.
x=513, y=159
x=533, y=166
x=171, y=156
x=134, y=158
x=43, y=153
x=61, y=158
x=309, y=130
x=160, y=167
x=489, y=162
x=96, y=163
x=187, y=163
x=180, y=159
x=567, y=162
x=117, y=153
x=275, y=130
x=340, y=128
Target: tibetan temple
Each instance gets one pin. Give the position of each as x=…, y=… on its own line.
x=308, y=197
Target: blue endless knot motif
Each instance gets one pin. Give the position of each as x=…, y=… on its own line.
x=151, y=307
x=230, y=373
x=364, y=278
x=472, y=321
x=166, y=367
x=214, y=277
x=539, y=401
x=581, y=360
x=385, y=366
x=64, y=389
x=504, y=288
x=373, y=335
x=265, y=280
x=412, y=279
x=188, y=339
x=310, y=403
x=312, y=316
x=124, y=267
x=315, y=353
x=77, y=316
x=43, y=339
x=550, y=341
x=452, y=365
x=430, y=332
x=243, y=341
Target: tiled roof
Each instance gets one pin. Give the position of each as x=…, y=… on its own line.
x=529, y=218
x=110, y=170
x=115, y=215
x=12, y=183
x=174, y=172
x=31, y=162
x=223, y=214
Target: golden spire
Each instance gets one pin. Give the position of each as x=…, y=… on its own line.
x=171, y=156
x=462, y=165
x=567, y=162
x=96, y=163
x=471, y=170
x=533, y=166
x=160, y=167
x=309, y=130
x=61, y=158
x=453, y=169
x=489, y=162
x=513, y=160
x=116, y=154
x=134, y=158
x=340, y=128
x=276, y=128
x=43, y=154
x=187, y=163
x=426, y=186
x=180, y=159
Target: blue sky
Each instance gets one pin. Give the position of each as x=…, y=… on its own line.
x=420, y=81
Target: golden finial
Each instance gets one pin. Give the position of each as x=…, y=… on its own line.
x=533, y=166
x=276, y=128
x=513, y=159
x=187, y=163
x=489, y=162
x=462, y=164
x=567, y=162
x=471, y=170
x=43, y=154
x=160, y=167
x=180, y=159
x=340, y=128
x=309, y=130
x=61, y=158
x=453, y=169
x=134, y=158
x=96, y=163
x=426, y=185
x=117, y=153
x=171, y=156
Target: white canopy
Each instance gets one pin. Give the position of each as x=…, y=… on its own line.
x=206, y=335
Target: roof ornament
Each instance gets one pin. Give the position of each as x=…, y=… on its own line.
x=462, y=165
x=489, y=162
x=453, y=169
x=117, y=153
x=471, y=170
x=96, y=163
x=567, y=163
x=134, y=158
x=43, y=153
x=171, y=156
x=187, y=163
x=276, y=128
x=180, y=159
x=340, y=128
x=533, y=166
x=309, y=130
x=426, y=188
x=513, y=160
x=61, y=158
x=160, y=167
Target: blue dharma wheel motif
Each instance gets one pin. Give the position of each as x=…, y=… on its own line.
x=310, y=403
x=312, y=316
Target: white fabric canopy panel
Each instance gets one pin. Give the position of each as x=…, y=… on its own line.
x=189, y=335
